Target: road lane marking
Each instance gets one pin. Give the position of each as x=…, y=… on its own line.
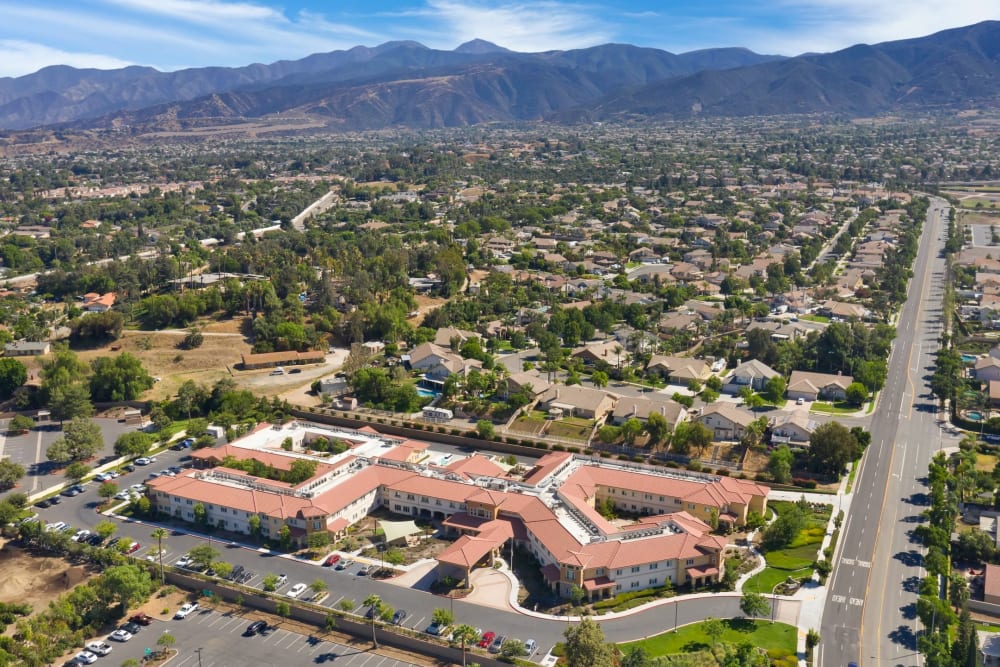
x=847, y=561
x=856, y=602
x=865, y=563
x=839, y=599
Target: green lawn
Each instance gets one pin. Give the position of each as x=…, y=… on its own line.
x=838, y=408
x=571, y=427
x=796, y=560
x=689, y=638
x=814, y=318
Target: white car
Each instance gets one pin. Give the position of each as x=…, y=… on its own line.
x=99, y=648
x=282, y=580
x=85, y=658
x=138, y=488
x=143, y=461
x=186, y=610
x=80, y=535
x=183, y=561
x=102, y=477
x=120, y=635
x=296, y=590
x=53, y=527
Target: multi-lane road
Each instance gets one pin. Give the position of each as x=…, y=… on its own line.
x=870, y=613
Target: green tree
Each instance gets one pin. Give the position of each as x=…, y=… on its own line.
x=636, y=657
x=774, y=390
x=630, y=430
x=254, y=524
x=857, y=394
x=203, y=555
x=465, y=634
x=780, y=464
x=166, y=641
x=21, y=424
x=443, y=617
x=485, y=429
x=600, y=379
x=285, y=536
x=270, y=582
x=13, y=374
x=126, y=584
x=714, y=628
x=658, y=428
x=160, y=534
x=81, y=440
x=70, y=401
x=690, y=435
x=513, y=648
x=375, y=602
x=318, y=587
x=105, y=529
x=282, y=609
x=133, y=444
x=222, y=569
x=107, y=490
x=76, y=471
x=318, y=540
x=200, y=513
x=831, y=447
x=754, y=604
x=118, y=378
x=10, y=473
x=585, y=645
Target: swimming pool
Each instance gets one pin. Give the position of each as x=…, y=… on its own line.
x=974, y=416
x=969, y=358
x=426, y=392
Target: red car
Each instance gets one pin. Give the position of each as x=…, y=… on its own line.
x=332, y=560
x=141, y=619
x=132, y=549
x=487, y=639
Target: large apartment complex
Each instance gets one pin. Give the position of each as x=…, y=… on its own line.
x=550, y=510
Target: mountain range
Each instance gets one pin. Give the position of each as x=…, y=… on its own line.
x=406, y=84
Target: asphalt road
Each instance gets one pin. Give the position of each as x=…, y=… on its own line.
x=870, y=613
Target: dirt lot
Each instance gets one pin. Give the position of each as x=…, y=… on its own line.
x=219, y=352
x=34, y=579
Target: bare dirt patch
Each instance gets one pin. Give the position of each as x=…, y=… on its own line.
x=160, y=355
x=35, y=580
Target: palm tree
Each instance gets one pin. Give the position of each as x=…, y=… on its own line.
x=375, y=602
x=159, y=534
x=465, y=634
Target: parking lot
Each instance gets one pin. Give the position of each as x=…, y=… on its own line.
x=219, y=637
x=29, y=449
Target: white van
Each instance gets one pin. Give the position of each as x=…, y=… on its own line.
x=278, y=371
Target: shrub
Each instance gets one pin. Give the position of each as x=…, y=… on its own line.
x=573, y=450
x=558, y=448
x=804, y=483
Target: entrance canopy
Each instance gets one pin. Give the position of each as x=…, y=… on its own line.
x=398, y=530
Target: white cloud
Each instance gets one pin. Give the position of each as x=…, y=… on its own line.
x=536, y=26
x=18, y=58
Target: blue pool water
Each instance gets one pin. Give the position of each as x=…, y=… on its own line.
x=426, y=392
x=974, y=416
x=969, y=358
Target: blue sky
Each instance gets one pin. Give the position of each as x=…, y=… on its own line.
x=172, y=34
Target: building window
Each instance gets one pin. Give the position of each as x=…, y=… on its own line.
x=690, y=561
x=635, y=569
x=635, y=584
x=678, y=501
x=618, y=573
x=652, y=581
x=654, y=566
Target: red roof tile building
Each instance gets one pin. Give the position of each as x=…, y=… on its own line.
x=550, y=512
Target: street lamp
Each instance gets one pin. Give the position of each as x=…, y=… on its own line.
x=198, y=651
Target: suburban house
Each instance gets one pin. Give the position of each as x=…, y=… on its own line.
x=793, y=428
x=987, y=369
x=439, y=362
x=446, y=335
x=98, y=303
x=640, y=407
x=753, y=374
x=811, y=386
x=533, y=383
x=679, y=370
x=27, y=348
x=576, y=401
x=726, y=420
x=610, y=352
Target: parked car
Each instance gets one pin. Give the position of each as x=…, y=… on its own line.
x=95, y=540
x=144, y=460
x=121, y=635
x=332, y=559
x=72, y=491
x=141, y=619
x=282, y=580
x=186, y=610
x=44, y=503
x=530, y=646
x=54, y=527
x=128, y=467
x=497, y=644
x=344, y=564
x=80, y=535
x=99, y=648
x=399, y=616
x=84, y=658
x=102, y=477
x=366, y=570
x=436, y=629
x=255, y=628
x=296, y=590
x=132, y=548
x=487, y=639
x=134, y=628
